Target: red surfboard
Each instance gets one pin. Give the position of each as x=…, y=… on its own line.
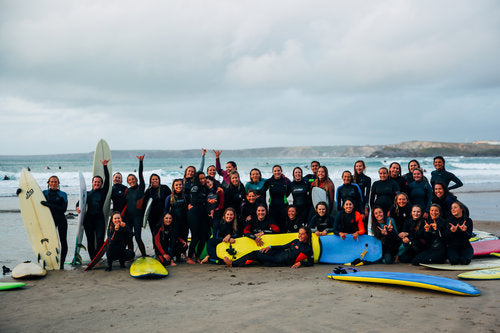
x=98, y=256
x=483, y=248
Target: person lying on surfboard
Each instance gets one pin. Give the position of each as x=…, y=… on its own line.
x=295, y=254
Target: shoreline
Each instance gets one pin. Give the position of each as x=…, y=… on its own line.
x=200, y=298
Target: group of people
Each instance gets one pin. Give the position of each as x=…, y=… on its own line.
x=417, y=221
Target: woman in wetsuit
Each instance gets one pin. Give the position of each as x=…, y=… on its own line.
x=134, y=210
x=401, y=210
x=365, y=183
x=412, y=165
x=383, y=191
x=420, y=192
x=167, y=244
x=321, y=223
x=197, y=217
x=444, y=198
x=348, y=222
x=256, y=183
x=94, y=222
x=247, y=210
x=118, y=236
x=301, y=194
x=262, y=224
x=57, y=201
x=351, y=191
x=395, y=175
x=458, y=232
x=443, y=176
x=225, y=230
x=295, y=254
x=323, y=181
x=176, y=204
x=384, y=229
x=234, y=193
x=158, y=192
x=279, y=189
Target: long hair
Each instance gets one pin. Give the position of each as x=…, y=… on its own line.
x=173, y=196
x=308, y=233
x=355, y=174
x=374, y=227
x=159, y=182
x=396, y=206
x=235, y=219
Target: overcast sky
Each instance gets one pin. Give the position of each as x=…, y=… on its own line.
x=240, y=74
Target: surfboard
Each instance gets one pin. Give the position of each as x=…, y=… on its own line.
x=318, y=195
x=28, y=270
x=11, y=285
x=495, y=254
x=482, y=274
x=147, y=267
x=102, y=152
x=98, y=256
x=483, y=248
x=431, y=282
x=474, y=265
x=147, y=212
x=334, y=250
x=77, y=258
x=245, y=245
x=482, y=235
x=38, y=221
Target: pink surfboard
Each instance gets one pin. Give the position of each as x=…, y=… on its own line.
x=483, y=248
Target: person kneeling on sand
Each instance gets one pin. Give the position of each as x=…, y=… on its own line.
x=118, y=236
x=295, y=254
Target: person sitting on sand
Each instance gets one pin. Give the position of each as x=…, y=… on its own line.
x=167, y=244
x=321, y=223
x=225, y=230
x=458, y=233
x=297, y=253
x=261, y=225
x=384, y=228
x=118, y=236
x=348, y=222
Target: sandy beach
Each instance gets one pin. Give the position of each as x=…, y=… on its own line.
x=213, y=298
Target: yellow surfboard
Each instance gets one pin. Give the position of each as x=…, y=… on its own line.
x=245, y=245
x=482, y=274
x=147, y=267
x=38, y=221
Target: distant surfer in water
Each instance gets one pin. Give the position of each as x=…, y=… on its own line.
x=57, y=201
x=94, y=222
x=295, y=254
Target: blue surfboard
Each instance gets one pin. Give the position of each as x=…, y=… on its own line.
x=410, y=279
x=337, y=251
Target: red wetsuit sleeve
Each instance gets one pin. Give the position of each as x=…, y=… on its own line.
x=300, y=257
x=275, y=228
x=221, y=201
x=158, y=242
x=361, y=225
x=247, y=229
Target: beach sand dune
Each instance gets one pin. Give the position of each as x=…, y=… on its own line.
x=208, y=298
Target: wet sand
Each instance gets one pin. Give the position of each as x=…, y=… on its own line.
x=212, y=298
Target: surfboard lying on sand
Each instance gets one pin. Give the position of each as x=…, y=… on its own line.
x=431, y=282
x=38, y=222
x=483, y=248
x=479, y=235
x=77, y=258
x=28, y=270
x=474, y=265
x=147, y=267
x=334, y=250
x=482, y=274
x=11, y=285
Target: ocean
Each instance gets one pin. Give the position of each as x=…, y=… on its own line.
x=480, y=175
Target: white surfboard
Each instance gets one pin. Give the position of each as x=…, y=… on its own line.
x=77, y=258
x=28, y=270
x=38, y=222
x=147, y=212
x=102, y=152
x=318, y=195
x=474, y=265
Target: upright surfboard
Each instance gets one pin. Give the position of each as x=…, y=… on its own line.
x=102, y=152
x=334, y=250
x=38, y=222
x=318, y=195
x=147, y=211
x=431, y=282
x=77, y=258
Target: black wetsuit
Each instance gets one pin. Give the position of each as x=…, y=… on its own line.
x=321, y=223
x=134, y=211
x=402, y=184
x=268, y=226
x=158, y=195
x=178, y=209
x=118, y=197
x=301, y=193
x=281, y=255
x=390, y=242
x=383, y=193
x=198, y=220
x=167, y=242
x=246, y=209
x=279, y=190
x=365, y=183
x=295, y=224
x=220, y=231
x=57, y=201
x=352, y=192
x=234, y=196
x=460, y=251
x=432, y=249
x=93, y=223
x=117, y=241
x=400, y=215
x=445, y=177
x=348, y=223
x=420, y=193
x=445, y=204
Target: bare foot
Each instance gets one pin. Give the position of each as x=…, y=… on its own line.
x=228, y=262
x=172, y=263
x=205, y=260
x=190, y=261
